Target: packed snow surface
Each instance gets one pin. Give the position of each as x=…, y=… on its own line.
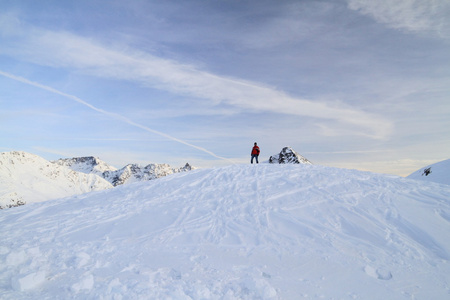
x=438, y=172
x=238, y=232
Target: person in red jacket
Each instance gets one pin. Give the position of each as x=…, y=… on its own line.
x=255, y=153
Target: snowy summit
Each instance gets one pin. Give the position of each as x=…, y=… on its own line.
x=238, y=232
x=288, y=156
x=88, y=165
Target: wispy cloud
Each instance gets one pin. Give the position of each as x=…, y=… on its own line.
x=63, y=49
x=107, y=113
x=412, y=15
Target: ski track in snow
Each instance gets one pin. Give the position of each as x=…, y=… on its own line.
x=239, y=232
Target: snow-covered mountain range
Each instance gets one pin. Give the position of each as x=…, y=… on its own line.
x=27, y=178
x=272, y=231
x=128, y=174
x=438, y=172
x=288, y=156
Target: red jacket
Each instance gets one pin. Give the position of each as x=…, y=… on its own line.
x=255, y=150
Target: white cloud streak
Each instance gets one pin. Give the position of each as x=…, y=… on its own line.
x=62, y=49
x=412, y=15
x=107, y=113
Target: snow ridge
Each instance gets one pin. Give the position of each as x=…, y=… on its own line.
x=288, y=156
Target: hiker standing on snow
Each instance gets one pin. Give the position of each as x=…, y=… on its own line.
x=255, y=153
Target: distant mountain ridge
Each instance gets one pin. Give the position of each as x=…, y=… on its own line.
x=27, y=178
x=128, y=174
x=288, y=156
x=88, y=165
x=134, y=173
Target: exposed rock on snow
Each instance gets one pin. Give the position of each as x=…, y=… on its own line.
x=288, y=156
x=239, y=232
x=438, y=172
x=26, y=178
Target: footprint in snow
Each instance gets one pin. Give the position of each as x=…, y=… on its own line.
x=380, y=273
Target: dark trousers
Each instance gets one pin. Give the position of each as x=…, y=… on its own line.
x=254, y=156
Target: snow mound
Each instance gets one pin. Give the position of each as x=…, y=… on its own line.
x=27, y=178
x=288, y=156
x=438, y=172
x=239, y=232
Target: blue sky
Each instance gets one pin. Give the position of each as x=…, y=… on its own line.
x=358, y=84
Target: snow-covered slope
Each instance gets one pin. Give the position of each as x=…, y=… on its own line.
x=27, y=178
x=239, y=232
x=438, y=172
x=288, y=156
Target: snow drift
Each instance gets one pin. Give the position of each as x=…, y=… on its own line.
x=438, y=172
x=239, y=232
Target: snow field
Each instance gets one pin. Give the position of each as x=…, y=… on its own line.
x=239, y=232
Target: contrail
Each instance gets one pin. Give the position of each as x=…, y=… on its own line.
x=110, y=114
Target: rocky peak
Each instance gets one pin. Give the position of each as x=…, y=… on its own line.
x=187, y=167
x=288, y=156
x=87, y=164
